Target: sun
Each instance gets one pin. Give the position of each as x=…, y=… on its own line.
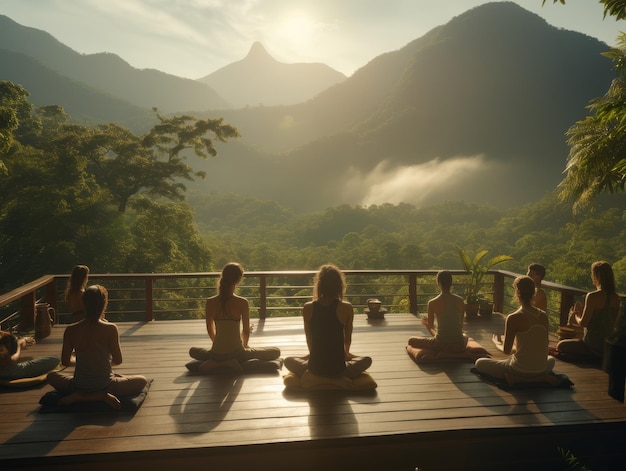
x=298, y=30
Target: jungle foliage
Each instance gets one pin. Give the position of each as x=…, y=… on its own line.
x=113, y=200
x=264, y=236
x=98, y=195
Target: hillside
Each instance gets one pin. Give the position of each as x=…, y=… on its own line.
x=259, y=79
x=145, y=88
x=82, y=103
x=477, y=109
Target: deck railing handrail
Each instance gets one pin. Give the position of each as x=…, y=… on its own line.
x=49, y=289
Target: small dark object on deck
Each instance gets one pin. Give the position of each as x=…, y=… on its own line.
x=374, y=309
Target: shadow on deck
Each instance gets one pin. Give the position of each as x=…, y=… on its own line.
x=433, y=417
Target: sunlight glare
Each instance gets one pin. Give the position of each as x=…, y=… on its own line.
x=297, y=30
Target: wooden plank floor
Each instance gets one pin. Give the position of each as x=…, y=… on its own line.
x=435, y=417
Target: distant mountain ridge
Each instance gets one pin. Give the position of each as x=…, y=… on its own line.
x=47, y=86
x=476, y=109
x=107, y=72
x=259, y=79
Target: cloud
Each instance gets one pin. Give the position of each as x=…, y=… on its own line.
x=417, y=184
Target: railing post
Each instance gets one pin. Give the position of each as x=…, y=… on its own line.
x=262, y=297
x=413, y=293
x=149, y=300
x=498, y=292
x=567, y=301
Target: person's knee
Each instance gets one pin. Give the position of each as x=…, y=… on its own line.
x=365, y=362
x=296, y=365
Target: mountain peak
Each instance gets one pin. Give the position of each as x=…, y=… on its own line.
x=258, y=52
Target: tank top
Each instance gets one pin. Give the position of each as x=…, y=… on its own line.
x=327, y=356
x=531, y=353
x=600, y=326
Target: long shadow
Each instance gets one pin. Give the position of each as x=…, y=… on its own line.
x=330, y=412
x=40, y=439
x=204, y=402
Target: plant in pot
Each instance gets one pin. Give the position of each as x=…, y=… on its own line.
x=472, y=265
x=485, y=308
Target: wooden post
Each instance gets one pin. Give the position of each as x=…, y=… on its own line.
x=498, y=292
x=149, y=300
x=413, y=293
x=567, y=301
x=262, y=297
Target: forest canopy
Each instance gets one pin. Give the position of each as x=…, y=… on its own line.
x=100, y=195
x=116, y=201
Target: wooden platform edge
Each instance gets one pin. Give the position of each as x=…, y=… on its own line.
x=599, y=446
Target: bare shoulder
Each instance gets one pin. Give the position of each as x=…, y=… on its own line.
x=240, y=301
x=515, y=318
x=458, y=298
x=595, y=298
x=345, y=309
x=434, y=302
x=108, y=326
x=212, y=300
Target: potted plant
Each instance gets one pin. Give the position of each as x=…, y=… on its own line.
x=485, y=307
x=476, y=271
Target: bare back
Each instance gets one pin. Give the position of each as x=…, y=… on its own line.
x=88, y=336
x=237, y=309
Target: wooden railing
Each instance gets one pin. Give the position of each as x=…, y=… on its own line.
x=161, y=296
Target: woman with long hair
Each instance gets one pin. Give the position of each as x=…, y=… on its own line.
x=74, y=292
x=328, y=321
x=92, y=345
x=598, y=317
x=525, y=339
x=228, y=326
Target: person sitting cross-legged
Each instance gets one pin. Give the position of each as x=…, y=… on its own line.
x=228, y=326
x=448, y=309
x=527, y=329
x=92, y=345
x=328, y=323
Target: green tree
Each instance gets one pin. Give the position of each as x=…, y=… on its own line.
x=155, y=163
x=73, y=194
x=163, y=238
x=50, y=207
x=14, y=107
x=596, y=161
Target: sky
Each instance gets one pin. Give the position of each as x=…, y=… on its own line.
x=193, y=38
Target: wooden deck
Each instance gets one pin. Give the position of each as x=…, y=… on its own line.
x=436, y=417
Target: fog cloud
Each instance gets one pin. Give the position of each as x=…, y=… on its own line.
x=417, y=184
